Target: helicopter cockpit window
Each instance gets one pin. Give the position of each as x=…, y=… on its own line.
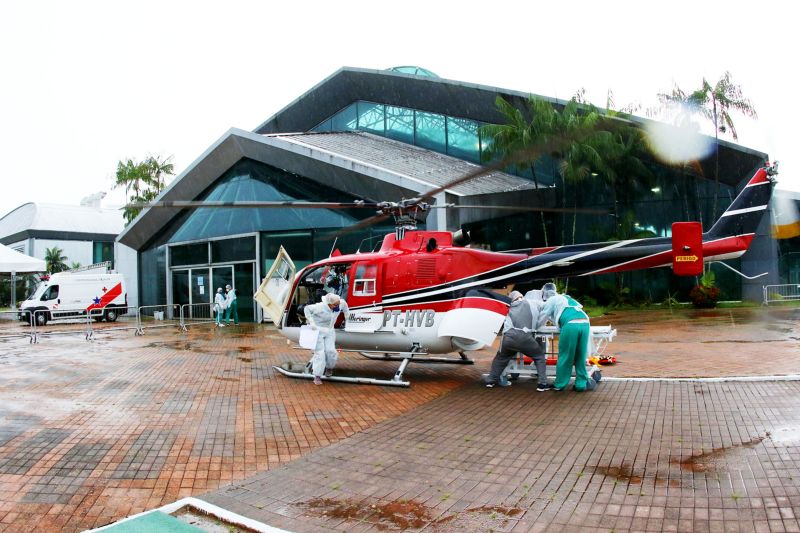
x=364, y=284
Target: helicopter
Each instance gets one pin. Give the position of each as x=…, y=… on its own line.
x=425, y=292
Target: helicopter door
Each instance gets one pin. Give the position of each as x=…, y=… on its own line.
x=273, y=293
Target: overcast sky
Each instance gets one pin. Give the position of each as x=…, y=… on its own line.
x=85, y=84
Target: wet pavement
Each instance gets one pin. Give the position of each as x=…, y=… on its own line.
x=91, y=432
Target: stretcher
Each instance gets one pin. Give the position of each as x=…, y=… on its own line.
x=598, y=341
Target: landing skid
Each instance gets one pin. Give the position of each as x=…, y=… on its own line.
x=344, y=379
x=300, y=371
x=402, y=356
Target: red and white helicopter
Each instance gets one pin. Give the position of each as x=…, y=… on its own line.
x=421, y=293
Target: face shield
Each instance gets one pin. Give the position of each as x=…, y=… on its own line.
x=548, y=291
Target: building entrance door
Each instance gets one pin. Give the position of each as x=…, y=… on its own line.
x=194, y=286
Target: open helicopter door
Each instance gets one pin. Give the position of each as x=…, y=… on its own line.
x=687, y=248
x=273, y=293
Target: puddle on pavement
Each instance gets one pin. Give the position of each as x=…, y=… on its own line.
x=620, y=473
x=177, y=345
x=408, y=514
x=706, y=462
x=784, y=435
x=246, y=359
x=221, y=378
x=401, y=514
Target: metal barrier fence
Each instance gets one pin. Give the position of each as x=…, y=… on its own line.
x=12, y=327
x=192, y=314
x=51, y=322
x=781, y=293
x=156, y=316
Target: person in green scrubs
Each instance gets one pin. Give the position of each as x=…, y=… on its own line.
x=573, y=340
x=232, y=307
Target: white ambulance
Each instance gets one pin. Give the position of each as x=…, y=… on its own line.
x=74, y=294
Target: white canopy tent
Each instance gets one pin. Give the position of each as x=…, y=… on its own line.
x=12, y=261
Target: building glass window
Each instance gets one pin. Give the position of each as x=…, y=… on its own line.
x=400, y=124
x=298, y=244
x=251, y=181
x=344, y=120
x=153, y=276
x=462, y=139
x=102, y=251
x=189, y=254
x=430, y=131
x=371, y=117
x=238, y=249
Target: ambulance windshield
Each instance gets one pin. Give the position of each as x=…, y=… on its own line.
x=36, y=289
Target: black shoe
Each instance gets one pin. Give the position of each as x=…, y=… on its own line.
x=489, y=385
x=544, y=388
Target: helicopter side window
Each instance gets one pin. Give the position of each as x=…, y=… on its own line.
x=364, y=284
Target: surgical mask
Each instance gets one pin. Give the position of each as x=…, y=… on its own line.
x=336, y=309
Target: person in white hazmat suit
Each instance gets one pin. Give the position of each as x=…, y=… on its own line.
x=219, y=306
x=322, y=317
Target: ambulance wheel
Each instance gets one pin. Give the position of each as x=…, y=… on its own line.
x=111, y=315
x=97, y=318
x=42, y=318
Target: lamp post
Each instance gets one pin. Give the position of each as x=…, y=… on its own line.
x=13, y=290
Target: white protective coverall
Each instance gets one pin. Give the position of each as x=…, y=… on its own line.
x=322, y=317
x=219, y=305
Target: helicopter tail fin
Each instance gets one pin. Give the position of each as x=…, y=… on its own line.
x=745, y=212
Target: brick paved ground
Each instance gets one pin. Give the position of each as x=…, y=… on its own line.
x=698, y=343
x=629, y=456
x=92, y=432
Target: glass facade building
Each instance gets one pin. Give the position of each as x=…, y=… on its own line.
x=197, y=250
x=635, y=209
x=207, y=248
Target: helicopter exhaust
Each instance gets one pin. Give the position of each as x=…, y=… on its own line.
x=461, y=238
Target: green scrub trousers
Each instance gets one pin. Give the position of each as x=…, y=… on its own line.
x=573, y=343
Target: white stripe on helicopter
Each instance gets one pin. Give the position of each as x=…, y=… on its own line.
x=565, y=260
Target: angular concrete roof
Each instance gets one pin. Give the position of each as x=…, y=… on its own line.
x=358, y=163
x=430, y=169
x=68, y=221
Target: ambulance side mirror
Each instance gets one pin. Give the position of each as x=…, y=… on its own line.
x=687, y=248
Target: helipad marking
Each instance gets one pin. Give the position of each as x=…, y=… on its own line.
x=226, y=516
x=789, y=377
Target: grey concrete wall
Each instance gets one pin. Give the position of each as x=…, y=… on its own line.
x=126, y=263
x=761, y=257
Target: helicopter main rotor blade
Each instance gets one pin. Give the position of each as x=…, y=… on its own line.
x=239, y=204
x=367, y=222
x=529, y=153
x=579, y=210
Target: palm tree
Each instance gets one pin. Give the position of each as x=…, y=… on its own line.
x=570, y=136
x=142, y=181
x=55, y=261
x=589, y=144
x=156, y=170
x=515, y=138
x=715, y=103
